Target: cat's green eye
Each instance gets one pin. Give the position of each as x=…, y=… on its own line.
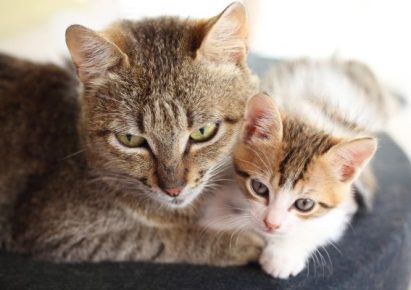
x=259, y=188
x=204, y=133
x=130, y=140
x=304, y=204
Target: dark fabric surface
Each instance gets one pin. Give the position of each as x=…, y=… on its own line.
x=374, y=254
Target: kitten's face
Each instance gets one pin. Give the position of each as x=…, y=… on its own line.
x=279, y=208
x=167, y=113
x=290, y=173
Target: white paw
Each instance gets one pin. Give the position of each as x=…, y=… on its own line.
x=281, y=264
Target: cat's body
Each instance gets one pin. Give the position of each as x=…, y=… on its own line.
x=38, y=111
x=118, y=173
x=298, y=157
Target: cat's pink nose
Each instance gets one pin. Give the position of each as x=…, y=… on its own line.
x=270, y=226
x=173, y=191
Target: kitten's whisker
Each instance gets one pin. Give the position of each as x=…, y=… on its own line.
x=315, y=262
x=335, y=247
x=229, y=206
x=349, y=223
x=322, y=259
x=330, y=269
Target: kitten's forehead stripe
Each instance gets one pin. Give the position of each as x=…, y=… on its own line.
x=300, y=145
x=326, y=206
x=241, y=173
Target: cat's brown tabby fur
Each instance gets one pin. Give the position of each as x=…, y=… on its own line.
x=73, y=192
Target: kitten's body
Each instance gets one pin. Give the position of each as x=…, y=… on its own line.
x=340, y=98
x=83, y=196
x=312, y=144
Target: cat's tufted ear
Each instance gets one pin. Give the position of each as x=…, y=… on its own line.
x=348, y=158
x=92, y=54
x=262, y=120
x=226, y=36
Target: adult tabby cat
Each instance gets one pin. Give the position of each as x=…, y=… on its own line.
x=159, y=112
x=298, y=156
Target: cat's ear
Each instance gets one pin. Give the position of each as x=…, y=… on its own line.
x=262, y=120
x=226, y=36
x=347, y=159
x=92, y=54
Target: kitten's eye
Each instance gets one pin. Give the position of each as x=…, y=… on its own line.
x=130, y=140
x=304, y=204
x=204, y=133
x=259, y=188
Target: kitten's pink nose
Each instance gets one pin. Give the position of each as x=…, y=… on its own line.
x=173, y=191
x=270, y=226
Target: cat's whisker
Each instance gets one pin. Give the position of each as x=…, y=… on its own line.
x=265, y=162
x=221, y=179
x=222, y=165
x=268, y=161
x=236, y=233
x=73, y=154
x=229, y=206
x=240, y=231
x=218, y=219
x=252, y=164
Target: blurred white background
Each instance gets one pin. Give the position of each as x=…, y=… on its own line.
x=376, y=32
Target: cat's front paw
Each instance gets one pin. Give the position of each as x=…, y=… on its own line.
x=281, y=264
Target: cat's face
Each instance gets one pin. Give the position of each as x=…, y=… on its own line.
x=167, y=111
x=291, y=174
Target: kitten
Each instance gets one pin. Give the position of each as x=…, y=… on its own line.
x=297, y=159
x=160, y=109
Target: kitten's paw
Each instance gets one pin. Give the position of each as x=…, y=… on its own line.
x=281, y=264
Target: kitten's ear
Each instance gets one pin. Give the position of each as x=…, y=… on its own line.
x=262, y=120
x=226, y=36
x=347, y=159
x=91, y=53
